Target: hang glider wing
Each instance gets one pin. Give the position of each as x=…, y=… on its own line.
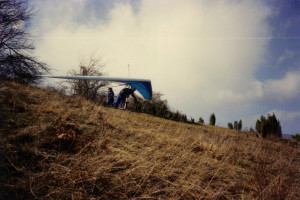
x=143, y=86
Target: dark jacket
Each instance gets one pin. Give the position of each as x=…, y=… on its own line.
x=110, y=95
x=126, y=92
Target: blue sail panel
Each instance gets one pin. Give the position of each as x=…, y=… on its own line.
x=143, y=87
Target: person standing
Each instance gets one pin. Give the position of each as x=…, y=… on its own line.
x=110, y=97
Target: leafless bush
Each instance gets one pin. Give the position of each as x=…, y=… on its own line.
x=89, y=89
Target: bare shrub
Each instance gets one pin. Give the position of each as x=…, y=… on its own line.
x=89, y=89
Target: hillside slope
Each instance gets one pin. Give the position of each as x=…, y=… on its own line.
x=58, y=147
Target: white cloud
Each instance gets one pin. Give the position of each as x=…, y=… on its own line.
x=283, y=89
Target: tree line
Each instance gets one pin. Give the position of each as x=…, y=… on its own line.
x=237, y=125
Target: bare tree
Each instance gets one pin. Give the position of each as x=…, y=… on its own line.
x=89, y=89
x=16, y=59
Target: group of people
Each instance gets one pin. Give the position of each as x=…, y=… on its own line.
x=121, y=99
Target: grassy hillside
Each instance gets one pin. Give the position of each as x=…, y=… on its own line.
x=58, y=147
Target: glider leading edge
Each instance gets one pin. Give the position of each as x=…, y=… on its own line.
x=143, y=86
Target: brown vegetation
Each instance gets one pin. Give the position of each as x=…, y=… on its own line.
x=58, y=147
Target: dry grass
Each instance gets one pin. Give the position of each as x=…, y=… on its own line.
x=57, y=147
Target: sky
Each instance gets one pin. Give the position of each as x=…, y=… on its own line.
x=239, y=59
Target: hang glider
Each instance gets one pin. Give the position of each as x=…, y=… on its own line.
x=143, y=86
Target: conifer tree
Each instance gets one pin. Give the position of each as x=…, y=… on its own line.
x=240, y=125
x=235, y=125
x=212, y=119
x=258, y=126
x=229, y=125
x=192, y=120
